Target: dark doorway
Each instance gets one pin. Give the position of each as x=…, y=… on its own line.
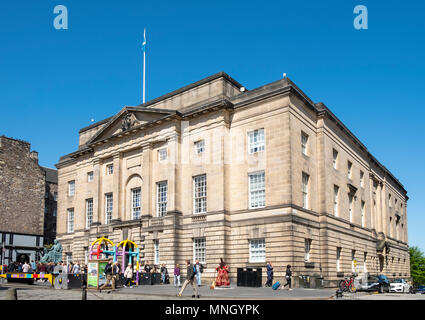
x=22, y=257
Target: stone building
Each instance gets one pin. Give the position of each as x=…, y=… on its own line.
x=215, y=170
x=50, y=205
x=22, y=189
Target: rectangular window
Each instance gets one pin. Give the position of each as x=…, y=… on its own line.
x=350, y=207
x=199, y=250
x=162, y=189
x=304, y=141
x=162, y=154
x=109, y=169
x=108, y=207
x=362, y=179
x=89, y=213
x=71, y=188
x=257, y=190
x=363, y=214
x=304, y=189
x=389, y=201
x=71, y=220
x=156, y=252
x=55, y=212
x=307, y=250
x=338, y=259
x=55, y=196
x=200, y=194
x=256, y=141
x=257, y=250
x=136, y=203
x=353, y=260
x=199, y=146
x=336, y=196
x=349, y=169
x=334, y=158
x=90, y=176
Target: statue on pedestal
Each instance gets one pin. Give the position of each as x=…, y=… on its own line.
x=54, y=254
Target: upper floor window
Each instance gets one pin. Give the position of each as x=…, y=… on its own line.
x=109, y=169
x=109, y=202
x=71, y=220
x=200, y=146
x=363, y=214
x=89, y=213
x=336, y=205
x=350, y=207
x=334, y=158
x=304, y=189
x=256, y=141
x=162, y=154
x=71, y=188
x=162, y=190
x=55, y=196
x=90, y=176
x=257, y=190
x=156, y=251
x=200, y=194
x=55, y=212
x=353, y=260
x=136, y=203
x=304, y=141
x=389, y=201
x=349, y=169
x=338, y=259
x=361, y=178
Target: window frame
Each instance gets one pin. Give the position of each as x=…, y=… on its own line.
x=107, y=207
x=254, y=257
x=307, y=250
x=261, y=202
x=199, y=188
x=160, y=205
x=199, y=146
x=70, y=226
x=304, y=143
x=139, y=199
x=200, y=249
x=71, y=190
x=256, y=144
x=89, y=221
x=305, y=190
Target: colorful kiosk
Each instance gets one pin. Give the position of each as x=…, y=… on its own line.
x=101, y=250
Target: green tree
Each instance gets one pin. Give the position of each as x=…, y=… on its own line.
x=417, y=265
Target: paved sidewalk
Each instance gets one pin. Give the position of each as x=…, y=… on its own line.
x=165, y=292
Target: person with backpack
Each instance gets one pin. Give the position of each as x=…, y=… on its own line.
x=108, y=271
x=190, y=278
x=288, y=276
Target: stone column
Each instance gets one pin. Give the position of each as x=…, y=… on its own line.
x=147, y=187
x=97, y=197
x=117, y=159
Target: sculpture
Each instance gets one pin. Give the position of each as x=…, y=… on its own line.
x=54, y=254
x=128, y=121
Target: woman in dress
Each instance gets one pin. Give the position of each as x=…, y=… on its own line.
x=222, y=278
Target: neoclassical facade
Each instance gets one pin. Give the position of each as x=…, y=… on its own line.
x=215, y=170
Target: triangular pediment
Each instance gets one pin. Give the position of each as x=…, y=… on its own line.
x=127, y=119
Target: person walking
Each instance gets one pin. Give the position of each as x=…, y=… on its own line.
x=164, y=273
x=190, y=278
x=108, y=271
x=269, y=267
x=199, y=270
x=177, y=276
x=288, y=276
x=33, y=266
x=128, y=275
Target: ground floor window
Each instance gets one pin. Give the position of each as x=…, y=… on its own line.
x=257, y=250
x=156, y=251
x=199, y=250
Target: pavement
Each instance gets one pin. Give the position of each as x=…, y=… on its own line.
x=43, y=291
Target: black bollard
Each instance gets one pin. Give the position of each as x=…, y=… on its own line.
x=84, y=297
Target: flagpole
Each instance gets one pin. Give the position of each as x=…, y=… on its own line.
x=144, y=66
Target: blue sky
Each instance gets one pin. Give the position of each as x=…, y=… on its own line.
x=53, y=82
